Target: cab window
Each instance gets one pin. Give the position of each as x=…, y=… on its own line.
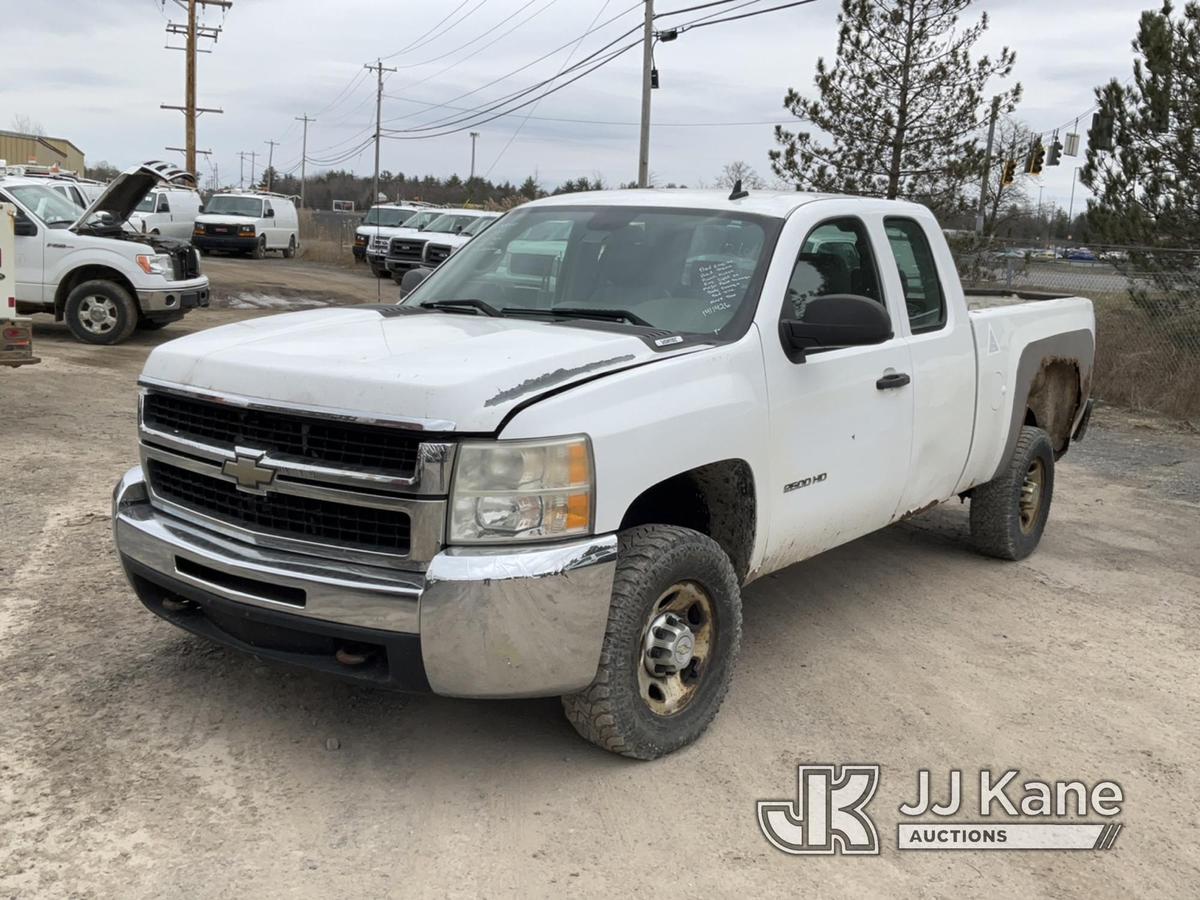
x=923, y=295
x=835, y=258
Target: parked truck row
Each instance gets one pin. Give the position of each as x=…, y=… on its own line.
x=553, y=467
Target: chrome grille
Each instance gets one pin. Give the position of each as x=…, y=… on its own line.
x=406, y=248
x=285, y=515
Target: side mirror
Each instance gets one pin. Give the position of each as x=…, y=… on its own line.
x=832, y=321
x=269, y=214
x=201, y=208
x=411, y=279
x=24, y=227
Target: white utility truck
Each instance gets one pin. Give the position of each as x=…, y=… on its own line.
x=86, y=267
x=406, y=249
x=557, y=482
x=380, y=222
x=380, y=238
x=16, y=334
x=442, y=244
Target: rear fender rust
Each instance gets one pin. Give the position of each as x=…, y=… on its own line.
x=1056, y=397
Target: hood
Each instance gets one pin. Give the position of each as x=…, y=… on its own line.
x=122, y=195
x=464, y=372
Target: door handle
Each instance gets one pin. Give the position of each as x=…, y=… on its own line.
x=892, y=380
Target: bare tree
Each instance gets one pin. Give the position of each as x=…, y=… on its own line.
x=24, y=124
x=742, y=171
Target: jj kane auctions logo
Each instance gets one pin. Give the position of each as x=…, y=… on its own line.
x=829, y=814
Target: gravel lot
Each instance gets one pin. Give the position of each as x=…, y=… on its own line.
x=137, y=761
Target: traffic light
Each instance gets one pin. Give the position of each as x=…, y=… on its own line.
x=1052, y=158
x=1100, y=136
x=1036, y=157
x=1010, y=172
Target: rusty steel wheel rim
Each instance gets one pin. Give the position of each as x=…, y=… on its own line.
x=1030, y=503
x=678, y=640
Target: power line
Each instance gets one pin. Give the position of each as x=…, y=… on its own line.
x=525, y=121
x=701, y=23
x=528, y=65
x=420, y=42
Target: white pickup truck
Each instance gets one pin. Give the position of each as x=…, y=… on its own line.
x=87, y=268
x=555, y=481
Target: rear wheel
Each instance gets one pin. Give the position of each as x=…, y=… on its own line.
x=673, y=633
x=100, y=312
x=1009, y=513
x=290, y=250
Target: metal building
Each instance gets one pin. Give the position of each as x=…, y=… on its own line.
x=18, y=149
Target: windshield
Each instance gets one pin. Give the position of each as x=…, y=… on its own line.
x=421, y=219
x=387, y=216
x=48, y=205
x=226, y=205
x=449, y=224
x=146, y=204
x=681, y=270
x=478, y=225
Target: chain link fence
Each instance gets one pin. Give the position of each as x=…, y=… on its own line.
x=1147, y=312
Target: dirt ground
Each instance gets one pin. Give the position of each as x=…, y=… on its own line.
x=138, y=761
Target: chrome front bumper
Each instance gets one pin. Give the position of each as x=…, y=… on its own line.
x=177, y=297
x=480, y=622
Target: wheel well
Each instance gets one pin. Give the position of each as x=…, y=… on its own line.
x=717, y=499
x=88, y=273
x=1054, y=399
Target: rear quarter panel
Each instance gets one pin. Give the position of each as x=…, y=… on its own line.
x=1012, y=345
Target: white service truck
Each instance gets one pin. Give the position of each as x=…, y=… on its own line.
x=88, y=268
x=556, y=482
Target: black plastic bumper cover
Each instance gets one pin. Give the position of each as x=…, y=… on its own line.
x=394, y=659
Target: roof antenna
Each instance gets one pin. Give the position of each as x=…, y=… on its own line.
x=737, y=193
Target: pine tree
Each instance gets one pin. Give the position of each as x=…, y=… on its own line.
x=899, y=112
x=1148, y=187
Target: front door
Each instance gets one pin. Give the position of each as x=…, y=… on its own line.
x=841, y=421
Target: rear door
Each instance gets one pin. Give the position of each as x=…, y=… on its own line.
x=841, y=421
x=942, y=347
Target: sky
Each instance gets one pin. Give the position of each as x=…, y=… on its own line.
x=97, y=71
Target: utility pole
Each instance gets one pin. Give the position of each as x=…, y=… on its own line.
x=987, y=166
x=474, y=138
x=270, y=163
x=242, y=173
x=303, y=153
x=191, y=33
x=379, y=68
x=647, y=65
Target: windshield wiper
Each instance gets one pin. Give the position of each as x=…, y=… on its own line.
x=578, y=312
x=455, y=305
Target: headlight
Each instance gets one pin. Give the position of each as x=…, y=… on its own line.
x=508, y=491
x=158, y=264
x=246, y=229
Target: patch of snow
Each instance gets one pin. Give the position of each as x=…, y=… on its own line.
x=269, y=301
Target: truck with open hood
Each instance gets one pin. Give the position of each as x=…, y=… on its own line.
x=89, y=269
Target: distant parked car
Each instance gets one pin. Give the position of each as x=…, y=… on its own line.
x=1082, y=254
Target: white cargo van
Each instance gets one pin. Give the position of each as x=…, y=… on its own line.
x=167, y=211
x=248, y=222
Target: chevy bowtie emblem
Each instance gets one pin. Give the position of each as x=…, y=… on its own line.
x=246, y=470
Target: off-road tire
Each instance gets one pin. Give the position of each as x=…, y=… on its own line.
x=124, y=308
x=611, y=712
x=996, y=506
x=290, y=250
x=260, y=248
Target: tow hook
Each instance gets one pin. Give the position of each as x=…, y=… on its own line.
x=354, y=654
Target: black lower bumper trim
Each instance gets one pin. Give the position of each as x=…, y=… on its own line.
x=223, y=242
x=394, y=659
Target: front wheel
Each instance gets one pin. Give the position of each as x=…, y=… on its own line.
x=1008, y=514
x=260, y=248
x=674, y=628
x=100, y=312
